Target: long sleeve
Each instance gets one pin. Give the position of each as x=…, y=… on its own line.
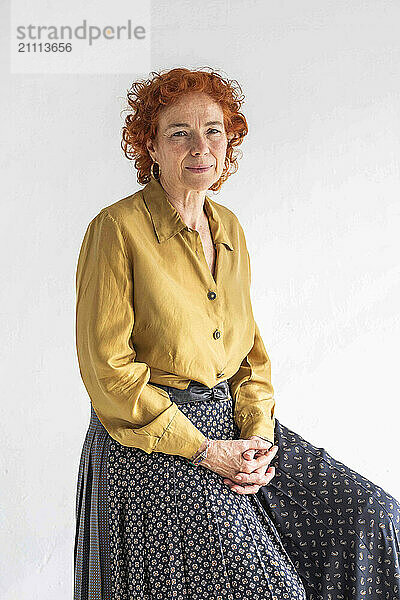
x=252, y=389
x=253, y=393
x=134, y=412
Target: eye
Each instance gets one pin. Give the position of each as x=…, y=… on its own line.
x=214, y=130
x=177, y=132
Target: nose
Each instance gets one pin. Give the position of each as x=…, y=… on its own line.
x=199, y=145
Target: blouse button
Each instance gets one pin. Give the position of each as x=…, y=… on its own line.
x=217, y=334
x=211, y=295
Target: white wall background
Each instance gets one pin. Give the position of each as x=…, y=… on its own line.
x=317, y=193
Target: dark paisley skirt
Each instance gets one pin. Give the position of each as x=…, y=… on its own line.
x=153, y=526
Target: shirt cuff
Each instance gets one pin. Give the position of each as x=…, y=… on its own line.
x=256, y=424
x=180, y=437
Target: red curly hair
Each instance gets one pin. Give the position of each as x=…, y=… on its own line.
x=147, y=97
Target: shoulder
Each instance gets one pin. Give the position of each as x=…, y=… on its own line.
x=223, y=211
x=226, y=213
x=122, y=213
x=229, y=219
x=123, y=209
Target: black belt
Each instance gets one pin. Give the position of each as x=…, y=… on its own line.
x=197, y=392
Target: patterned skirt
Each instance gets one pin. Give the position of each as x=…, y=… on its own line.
x=153, y=526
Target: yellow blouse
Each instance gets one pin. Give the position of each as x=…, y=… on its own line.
x=149, y=310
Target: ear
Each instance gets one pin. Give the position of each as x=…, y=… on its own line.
x=151, y=149
x=230, y=135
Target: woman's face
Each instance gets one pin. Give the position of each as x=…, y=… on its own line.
x=190, y=134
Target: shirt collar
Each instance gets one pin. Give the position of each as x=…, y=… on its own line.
x=167, y=221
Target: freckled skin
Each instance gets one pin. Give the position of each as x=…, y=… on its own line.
x=176, y=148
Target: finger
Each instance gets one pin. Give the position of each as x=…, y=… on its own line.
x=232, y=482
x=267, y=457
x=245, y=489
x=255, y=465
x=255, y=478
x=228, y=481
x=270, y=474
x=267, y=477
x=260, y=471
x=248, y=454
x=271, y=452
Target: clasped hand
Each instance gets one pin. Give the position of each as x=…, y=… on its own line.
x=245, y=471
x=250, y=482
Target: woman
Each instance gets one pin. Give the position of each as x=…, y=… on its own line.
x=181, y=491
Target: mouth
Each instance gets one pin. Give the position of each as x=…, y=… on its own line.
x=198, y=169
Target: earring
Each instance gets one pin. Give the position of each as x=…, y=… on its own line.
x=158, y=170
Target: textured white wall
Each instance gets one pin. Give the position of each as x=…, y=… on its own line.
x=317, y=193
